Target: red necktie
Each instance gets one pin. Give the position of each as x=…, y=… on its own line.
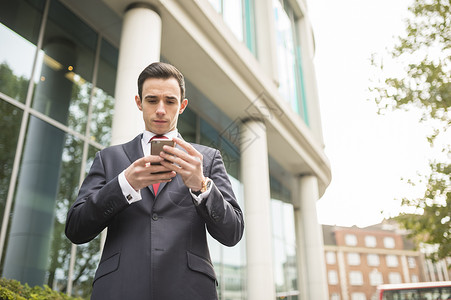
x=157, y=185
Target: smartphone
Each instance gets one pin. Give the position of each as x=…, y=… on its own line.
x=156, y=146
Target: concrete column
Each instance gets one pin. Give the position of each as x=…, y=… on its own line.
x=310, y=239
x=343, y=275
x=33, y=216
x=445, y=269
x=140, y=46
x=405, y=268
x=255, y=178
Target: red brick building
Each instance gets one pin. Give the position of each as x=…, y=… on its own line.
x=359, y=259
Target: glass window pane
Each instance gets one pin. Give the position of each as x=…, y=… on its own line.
x=330, y=258
x=286, y=56
x=394, y=277
x=288, y=222
x=355, y=278
x=335, y=296
x=103, y=99
x=376, y=278
x=217, y=5
x=373, y=260
x=65, y=68
x=187, y=125
x=389, y=242
x=370, y=241
x=291, y=268
x=10, y=120
x=332, y=277
x=411, y=262
x=358, y=296
x=233, y=16
x=239, y=17
x=284, y=245
x=41, y=204
x=354, y=259
x=230, y=153
x=351, y=240
x=19, y=28
x=392, y=260
x=279, y=261
x=67, y=192
x=277, y=219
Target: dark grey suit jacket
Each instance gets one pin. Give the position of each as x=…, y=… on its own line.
x=155, y=248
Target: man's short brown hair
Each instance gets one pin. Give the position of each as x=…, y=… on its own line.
x=161, y=70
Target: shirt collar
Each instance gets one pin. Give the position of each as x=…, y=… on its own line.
x=147, y=135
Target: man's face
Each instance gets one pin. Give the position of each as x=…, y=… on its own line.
x=161, y=104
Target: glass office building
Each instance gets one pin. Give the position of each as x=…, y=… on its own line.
x=68, y=73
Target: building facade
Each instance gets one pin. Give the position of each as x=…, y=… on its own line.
x=360, y=259
x=68, y=72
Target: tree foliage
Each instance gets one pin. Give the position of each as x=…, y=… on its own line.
x=424, y=52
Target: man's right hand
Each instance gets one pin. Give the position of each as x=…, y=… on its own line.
x=143, y=172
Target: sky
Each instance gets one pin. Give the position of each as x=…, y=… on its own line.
x=369, y=153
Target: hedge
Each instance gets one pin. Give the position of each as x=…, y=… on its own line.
x=13, y=290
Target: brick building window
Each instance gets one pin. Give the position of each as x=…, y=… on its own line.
x=394, y=277
x=332, y=277
x=335, y=296
x=389, y=242
x=391, y=260
x=376, y=278
x=331, y=258
x=353, y=259
x=373, y=260
x=355, y=278
x=370, y=241
x=351, y=240
x=358, y=296
x=411, y=262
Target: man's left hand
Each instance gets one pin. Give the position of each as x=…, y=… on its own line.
x=188, y=164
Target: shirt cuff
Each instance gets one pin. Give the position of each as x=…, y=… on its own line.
x=200, y=197
x=129, y=193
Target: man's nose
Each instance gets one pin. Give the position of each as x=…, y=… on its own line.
x=161, y=109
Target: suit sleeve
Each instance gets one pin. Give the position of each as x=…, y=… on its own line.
x=220, y=210
x=97, y=203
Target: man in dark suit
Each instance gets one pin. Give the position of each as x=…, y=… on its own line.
x=156, y=246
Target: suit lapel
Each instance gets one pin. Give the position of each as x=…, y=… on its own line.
x=133, y=149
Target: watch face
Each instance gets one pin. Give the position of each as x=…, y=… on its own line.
x=206, y=185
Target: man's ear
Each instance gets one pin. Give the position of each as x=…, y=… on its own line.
x=138, y=102
x=183, y=105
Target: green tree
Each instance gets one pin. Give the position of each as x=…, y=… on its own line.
x=424, y=52
x=10, y=118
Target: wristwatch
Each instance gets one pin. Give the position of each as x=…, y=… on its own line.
x=206, y=183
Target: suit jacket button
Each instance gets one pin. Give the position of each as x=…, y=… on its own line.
x=154, y=217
